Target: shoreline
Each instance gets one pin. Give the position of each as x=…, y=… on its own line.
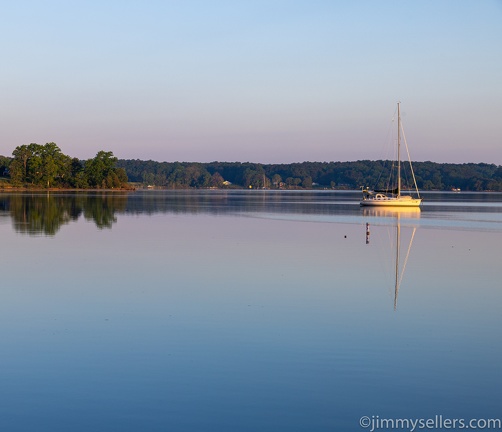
x=36, y=189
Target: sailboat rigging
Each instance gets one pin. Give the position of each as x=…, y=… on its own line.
x=393, y=197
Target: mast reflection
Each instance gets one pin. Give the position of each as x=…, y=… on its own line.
x=396, y=214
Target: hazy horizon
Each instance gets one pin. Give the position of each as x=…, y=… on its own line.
x=275, y=82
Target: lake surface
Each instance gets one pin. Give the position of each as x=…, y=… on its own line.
x=246, y=311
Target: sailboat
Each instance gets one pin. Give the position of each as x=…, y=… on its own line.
x=393, y=197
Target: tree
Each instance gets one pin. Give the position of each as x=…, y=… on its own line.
x=99, y=168
x=55, y=166
x=122, y=175
x=307, y=182
x=4, y=165
x=41, y=165
x=216, y=180
x=19, y=165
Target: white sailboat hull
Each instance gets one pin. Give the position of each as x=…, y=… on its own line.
x=385, y=201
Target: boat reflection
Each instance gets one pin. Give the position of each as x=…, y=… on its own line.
x=396, y=216
x=392, y=212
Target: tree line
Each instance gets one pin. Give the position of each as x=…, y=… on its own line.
x=47, y=166
x=307, y=175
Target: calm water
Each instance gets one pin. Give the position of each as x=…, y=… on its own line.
x=246, y=311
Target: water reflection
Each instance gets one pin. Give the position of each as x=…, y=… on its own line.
x=242, y=201
x=241, y=320
x=397, y=248
x=47, y=213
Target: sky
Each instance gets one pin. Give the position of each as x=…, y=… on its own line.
x=269, y=81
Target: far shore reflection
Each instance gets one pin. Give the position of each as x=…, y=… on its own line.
x=46, y=213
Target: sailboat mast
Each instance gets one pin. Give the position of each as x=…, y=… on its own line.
x=398, y=149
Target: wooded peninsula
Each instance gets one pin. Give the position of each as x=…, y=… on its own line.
x=45, y=166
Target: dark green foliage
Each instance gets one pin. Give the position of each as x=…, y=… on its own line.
x=4, y=166
x=100, y=171
x=46, y=166
x=341, y=175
